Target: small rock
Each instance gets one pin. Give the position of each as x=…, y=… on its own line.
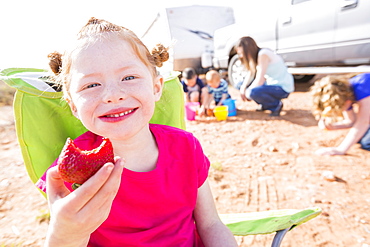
x=15, y=230
x=282, y=162
x=4, y=183
x=316, y=200
x=273, y=149
x=326, y=202
x=325, y=214
x=295, y=147
x=247, y=165
x=255, y=142
x=329, y=176
x=361, y=240
x=5, y=141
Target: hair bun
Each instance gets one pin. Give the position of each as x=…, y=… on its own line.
x=160, y=55
x=93, y=20
x=55, y=62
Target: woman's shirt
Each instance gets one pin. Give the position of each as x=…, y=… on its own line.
x=277, y=72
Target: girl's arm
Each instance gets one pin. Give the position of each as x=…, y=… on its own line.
x=359, y=128
x=75, y=215
x=210, y=228
x=349, y=118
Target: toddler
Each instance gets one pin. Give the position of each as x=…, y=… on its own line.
x=193, y=86
x=217, y=89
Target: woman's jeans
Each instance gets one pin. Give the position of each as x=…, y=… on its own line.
x=269, y=96
x=365, y=141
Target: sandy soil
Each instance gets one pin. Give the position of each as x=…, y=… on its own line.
x=258, y=163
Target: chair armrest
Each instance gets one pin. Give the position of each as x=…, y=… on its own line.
x=266, y=222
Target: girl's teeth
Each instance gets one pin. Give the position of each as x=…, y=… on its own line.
x=120, y=114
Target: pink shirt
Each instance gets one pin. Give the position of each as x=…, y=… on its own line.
x=155, y=208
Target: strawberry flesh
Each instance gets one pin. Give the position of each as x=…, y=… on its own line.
x=76, y=165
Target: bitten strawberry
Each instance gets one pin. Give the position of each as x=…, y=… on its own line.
x=76, y=165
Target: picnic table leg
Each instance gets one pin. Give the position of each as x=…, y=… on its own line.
x=279, y=237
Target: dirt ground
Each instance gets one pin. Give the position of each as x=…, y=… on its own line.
x=258, y=163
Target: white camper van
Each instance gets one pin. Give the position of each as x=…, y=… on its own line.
x=189, y=32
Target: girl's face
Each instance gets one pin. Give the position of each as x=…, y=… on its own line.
x=112, y=92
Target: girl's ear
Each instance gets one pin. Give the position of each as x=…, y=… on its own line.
x=158, y=87
x=73, y=107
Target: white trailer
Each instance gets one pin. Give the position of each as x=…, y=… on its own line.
x=188, y=31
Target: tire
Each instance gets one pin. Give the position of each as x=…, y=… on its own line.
x=236, y=71
x=302, y=78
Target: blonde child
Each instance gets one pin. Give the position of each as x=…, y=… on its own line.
x=158, y=195
x=333, y=97
x=217, y=89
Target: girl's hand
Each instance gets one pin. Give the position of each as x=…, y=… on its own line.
x=324, y=125
x=321, y=124
x=329, y=151
x=75, y=215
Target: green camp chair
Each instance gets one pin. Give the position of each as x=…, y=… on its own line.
x=44, y=121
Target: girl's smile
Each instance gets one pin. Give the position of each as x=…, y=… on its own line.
x=116, y=115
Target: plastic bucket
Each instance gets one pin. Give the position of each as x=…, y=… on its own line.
x=230, y=103
x=190, y=110
x=221, y=112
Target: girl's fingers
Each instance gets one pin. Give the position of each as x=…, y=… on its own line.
x=104, y=197
x=91, y=193
x=55, y=187
x=83, y=194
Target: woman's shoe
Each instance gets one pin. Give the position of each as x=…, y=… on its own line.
x=277, y=111
x=260, y=108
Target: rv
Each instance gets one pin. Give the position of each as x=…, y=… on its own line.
x=188, y=32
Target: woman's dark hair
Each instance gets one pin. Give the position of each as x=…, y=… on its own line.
x=250, y=52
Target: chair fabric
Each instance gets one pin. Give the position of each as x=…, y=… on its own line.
x=44, y=120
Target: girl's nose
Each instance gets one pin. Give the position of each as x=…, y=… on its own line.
x=113, y=94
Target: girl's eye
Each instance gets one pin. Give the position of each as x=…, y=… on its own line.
x=127, y=78
x=92, y=85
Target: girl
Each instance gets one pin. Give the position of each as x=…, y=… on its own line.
x=158, y=195
x=333, y=97
x=272, y=81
